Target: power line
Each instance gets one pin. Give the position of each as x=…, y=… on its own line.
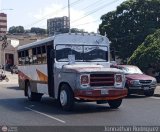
x=96, y=10
x=86, y=23
x=74, y=3
x=91, y=5
x=45, y=17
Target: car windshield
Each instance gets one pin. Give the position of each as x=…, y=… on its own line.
x=131, y=70
x=82, y=53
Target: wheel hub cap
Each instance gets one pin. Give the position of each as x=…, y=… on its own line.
x=29, y=92
x=63, y=98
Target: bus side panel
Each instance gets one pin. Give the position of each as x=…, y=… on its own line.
x=37, y=77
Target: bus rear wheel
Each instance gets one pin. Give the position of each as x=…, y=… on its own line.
x=32, y=96
x=66, y=98
x=114, y=104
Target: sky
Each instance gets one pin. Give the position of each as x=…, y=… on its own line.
x=84, y=14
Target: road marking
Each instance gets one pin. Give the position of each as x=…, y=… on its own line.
x=46, y=115
x=154, y=97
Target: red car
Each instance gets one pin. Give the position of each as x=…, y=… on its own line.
x=138, y=82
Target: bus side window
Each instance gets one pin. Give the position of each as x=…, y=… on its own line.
x=23, y=57
x=44, y=55
x=34, y=57
x=19, y=58
x=26, y=57
x=39, y=56
x=30, y=56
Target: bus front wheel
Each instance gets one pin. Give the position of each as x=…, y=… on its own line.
x=114, y=104
x=66, y=97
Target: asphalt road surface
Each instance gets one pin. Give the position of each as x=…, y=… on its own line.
x=16, y=110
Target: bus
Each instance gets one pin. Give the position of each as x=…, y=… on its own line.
x=70, y=68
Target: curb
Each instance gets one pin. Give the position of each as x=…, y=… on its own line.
x=156, y=95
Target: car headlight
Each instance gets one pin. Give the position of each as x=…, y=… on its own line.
x=134, y=82
x=154, y=81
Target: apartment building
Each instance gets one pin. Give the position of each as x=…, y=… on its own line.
x=3, y=23
x=57, y=25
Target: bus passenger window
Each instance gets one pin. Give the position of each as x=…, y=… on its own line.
x=39, y=56
x=30, y=56
x=34, y=57
x=44, y=55
x=26, y=57
x=19, y=58
x=23, y=57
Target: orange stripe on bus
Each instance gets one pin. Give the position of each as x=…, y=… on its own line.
x=23, y=76
x=42, y=76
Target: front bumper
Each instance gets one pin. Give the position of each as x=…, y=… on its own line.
x=101, y=94
x=141, y=89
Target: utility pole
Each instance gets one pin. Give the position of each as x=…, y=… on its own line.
x=69, y=16
x=4, y=45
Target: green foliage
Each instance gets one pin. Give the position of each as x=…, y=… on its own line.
x=148, y=52
x=16, y=29
x=129, y=25
x=76, y=30
x=38, y=30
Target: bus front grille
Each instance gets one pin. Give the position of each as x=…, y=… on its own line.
x=102, y=80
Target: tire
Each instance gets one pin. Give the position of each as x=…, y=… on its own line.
x=128, y=91
x=66, y=97
x=149, y=93
x=32, y=96
x=114, y=104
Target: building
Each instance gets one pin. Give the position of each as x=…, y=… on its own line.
x=3, y=30
x=3, y=23
x=57, y=25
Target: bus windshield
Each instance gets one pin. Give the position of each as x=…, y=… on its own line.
x=82, y=53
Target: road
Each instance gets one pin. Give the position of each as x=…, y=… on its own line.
x=16, y=110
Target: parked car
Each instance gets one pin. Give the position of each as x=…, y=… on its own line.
x=138, y=82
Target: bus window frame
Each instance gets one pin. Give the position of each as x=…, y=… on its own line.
x=83, y=52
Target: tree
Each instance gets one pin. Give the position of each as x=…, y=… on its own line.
x=63, y=30
x=76, y=30
x=16, y=29
x=148, y=53
x=38, y=30
x=129, y=25
x=73, y=30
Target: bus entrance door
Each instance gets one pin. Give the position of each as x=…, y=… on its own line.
x=50, y=65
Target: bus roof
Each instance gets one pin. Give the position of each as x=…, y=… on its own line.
x=35, y=43
x=72, y=38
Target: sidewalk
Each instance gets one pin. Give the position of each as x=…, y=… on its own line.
x=157, y=91
x=13, y=78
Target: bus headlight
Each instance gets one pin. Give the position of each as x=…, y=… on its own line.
x=119, y=80
x=85, y=80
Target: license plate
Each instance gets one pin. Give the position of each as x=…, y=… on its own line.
x=104, y=91
x=146, y=88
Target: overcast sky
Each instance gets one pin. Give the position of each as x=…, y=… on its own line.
x=85, y=14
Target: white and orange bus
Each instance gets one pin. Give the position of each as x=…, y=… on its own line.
x=70, y=68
